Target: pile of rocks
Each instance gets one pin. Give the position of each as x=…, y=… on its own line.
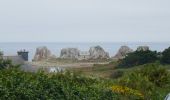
x=122, y=52
x=96, y=52
x=42, y=53
x=69, y=53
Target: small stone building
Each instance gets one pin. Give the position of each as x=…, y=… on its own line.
x=84, y=55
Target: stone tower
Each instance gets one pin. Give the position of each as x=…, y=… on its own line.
x=23, y=54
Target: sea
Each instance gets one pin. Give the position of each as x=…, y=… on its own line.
x=10, y=49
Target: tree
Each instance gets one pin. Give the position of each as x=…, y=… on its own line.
x=166, y=56
x=5, y=63
x=1, y=54
x=139, y=58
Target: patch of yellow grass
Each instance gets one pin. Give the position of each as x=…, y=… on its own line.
x=126, y=91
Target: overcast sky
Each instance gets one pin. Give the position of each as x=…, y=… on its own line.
x=84, y=20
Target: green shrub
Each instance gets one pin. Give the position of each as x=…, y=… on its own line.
x=166, y=56
x=18, y=85
x=139, y=58
x=152, y=80
x=116, y=74
x=156, y=74
x=6, y=64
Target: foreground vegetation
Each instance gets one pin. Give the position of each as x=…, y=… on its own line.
x=147, y=82
x=147, y=77
x=18, y=85
x=143, y=57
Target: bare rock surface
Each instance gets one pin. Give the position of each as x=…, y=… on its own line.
x=143, y=48
x=42, y=53
x=98, y=52
x=122, y=52
x=69, y=53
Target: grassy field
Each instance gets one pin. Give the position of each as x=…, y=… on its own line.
x=97, y=70
x=106, y=70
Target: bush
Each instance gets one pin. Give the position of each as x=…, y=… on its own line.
x=5, y=64
x=139, y=58
x=152, y=80
x=116, y=74
x=1, y=54
x=166, y=56
x=18, y=85
x=156, y=74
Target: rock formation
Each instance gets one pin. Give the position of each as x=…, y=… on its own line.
x=122, y=52
x=69, y=53
x=94, y=53
x=142, y=48
x=98, y=52
x=42, y=53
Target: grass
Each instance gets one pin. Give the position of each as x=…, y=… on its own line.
x=98, y=70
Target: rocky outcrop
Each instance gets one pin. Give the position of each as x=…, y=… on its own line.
x=42, y=53
x=98, y=52
x=122, y=52
x=69, y=53
x=143, y=48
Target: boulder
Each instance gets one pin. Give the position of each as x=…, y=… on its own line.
x=142, y=48
x=98, y=52
x=69, y=53
x=42, y=53
x=122, y=52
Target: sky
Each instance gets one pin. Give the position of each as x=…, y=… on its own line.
x=84, y=20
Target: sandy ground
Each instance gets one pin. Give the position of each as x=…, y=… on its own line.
x=67, y=65
x=35, y=66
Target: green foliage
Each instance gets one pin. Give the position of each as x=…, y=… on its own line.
x=18, y=85
x=166, y=56
x=117, y=74
x=139, y=58
x=151, y=79
x=6, y=64
x=157, y=75
x=1, y=54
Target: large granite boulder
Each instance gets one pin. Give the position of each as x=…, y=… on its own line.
x=69, y=53
x=143, y=48
x=122, y=52
x=42, y=53
x=98, y=52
